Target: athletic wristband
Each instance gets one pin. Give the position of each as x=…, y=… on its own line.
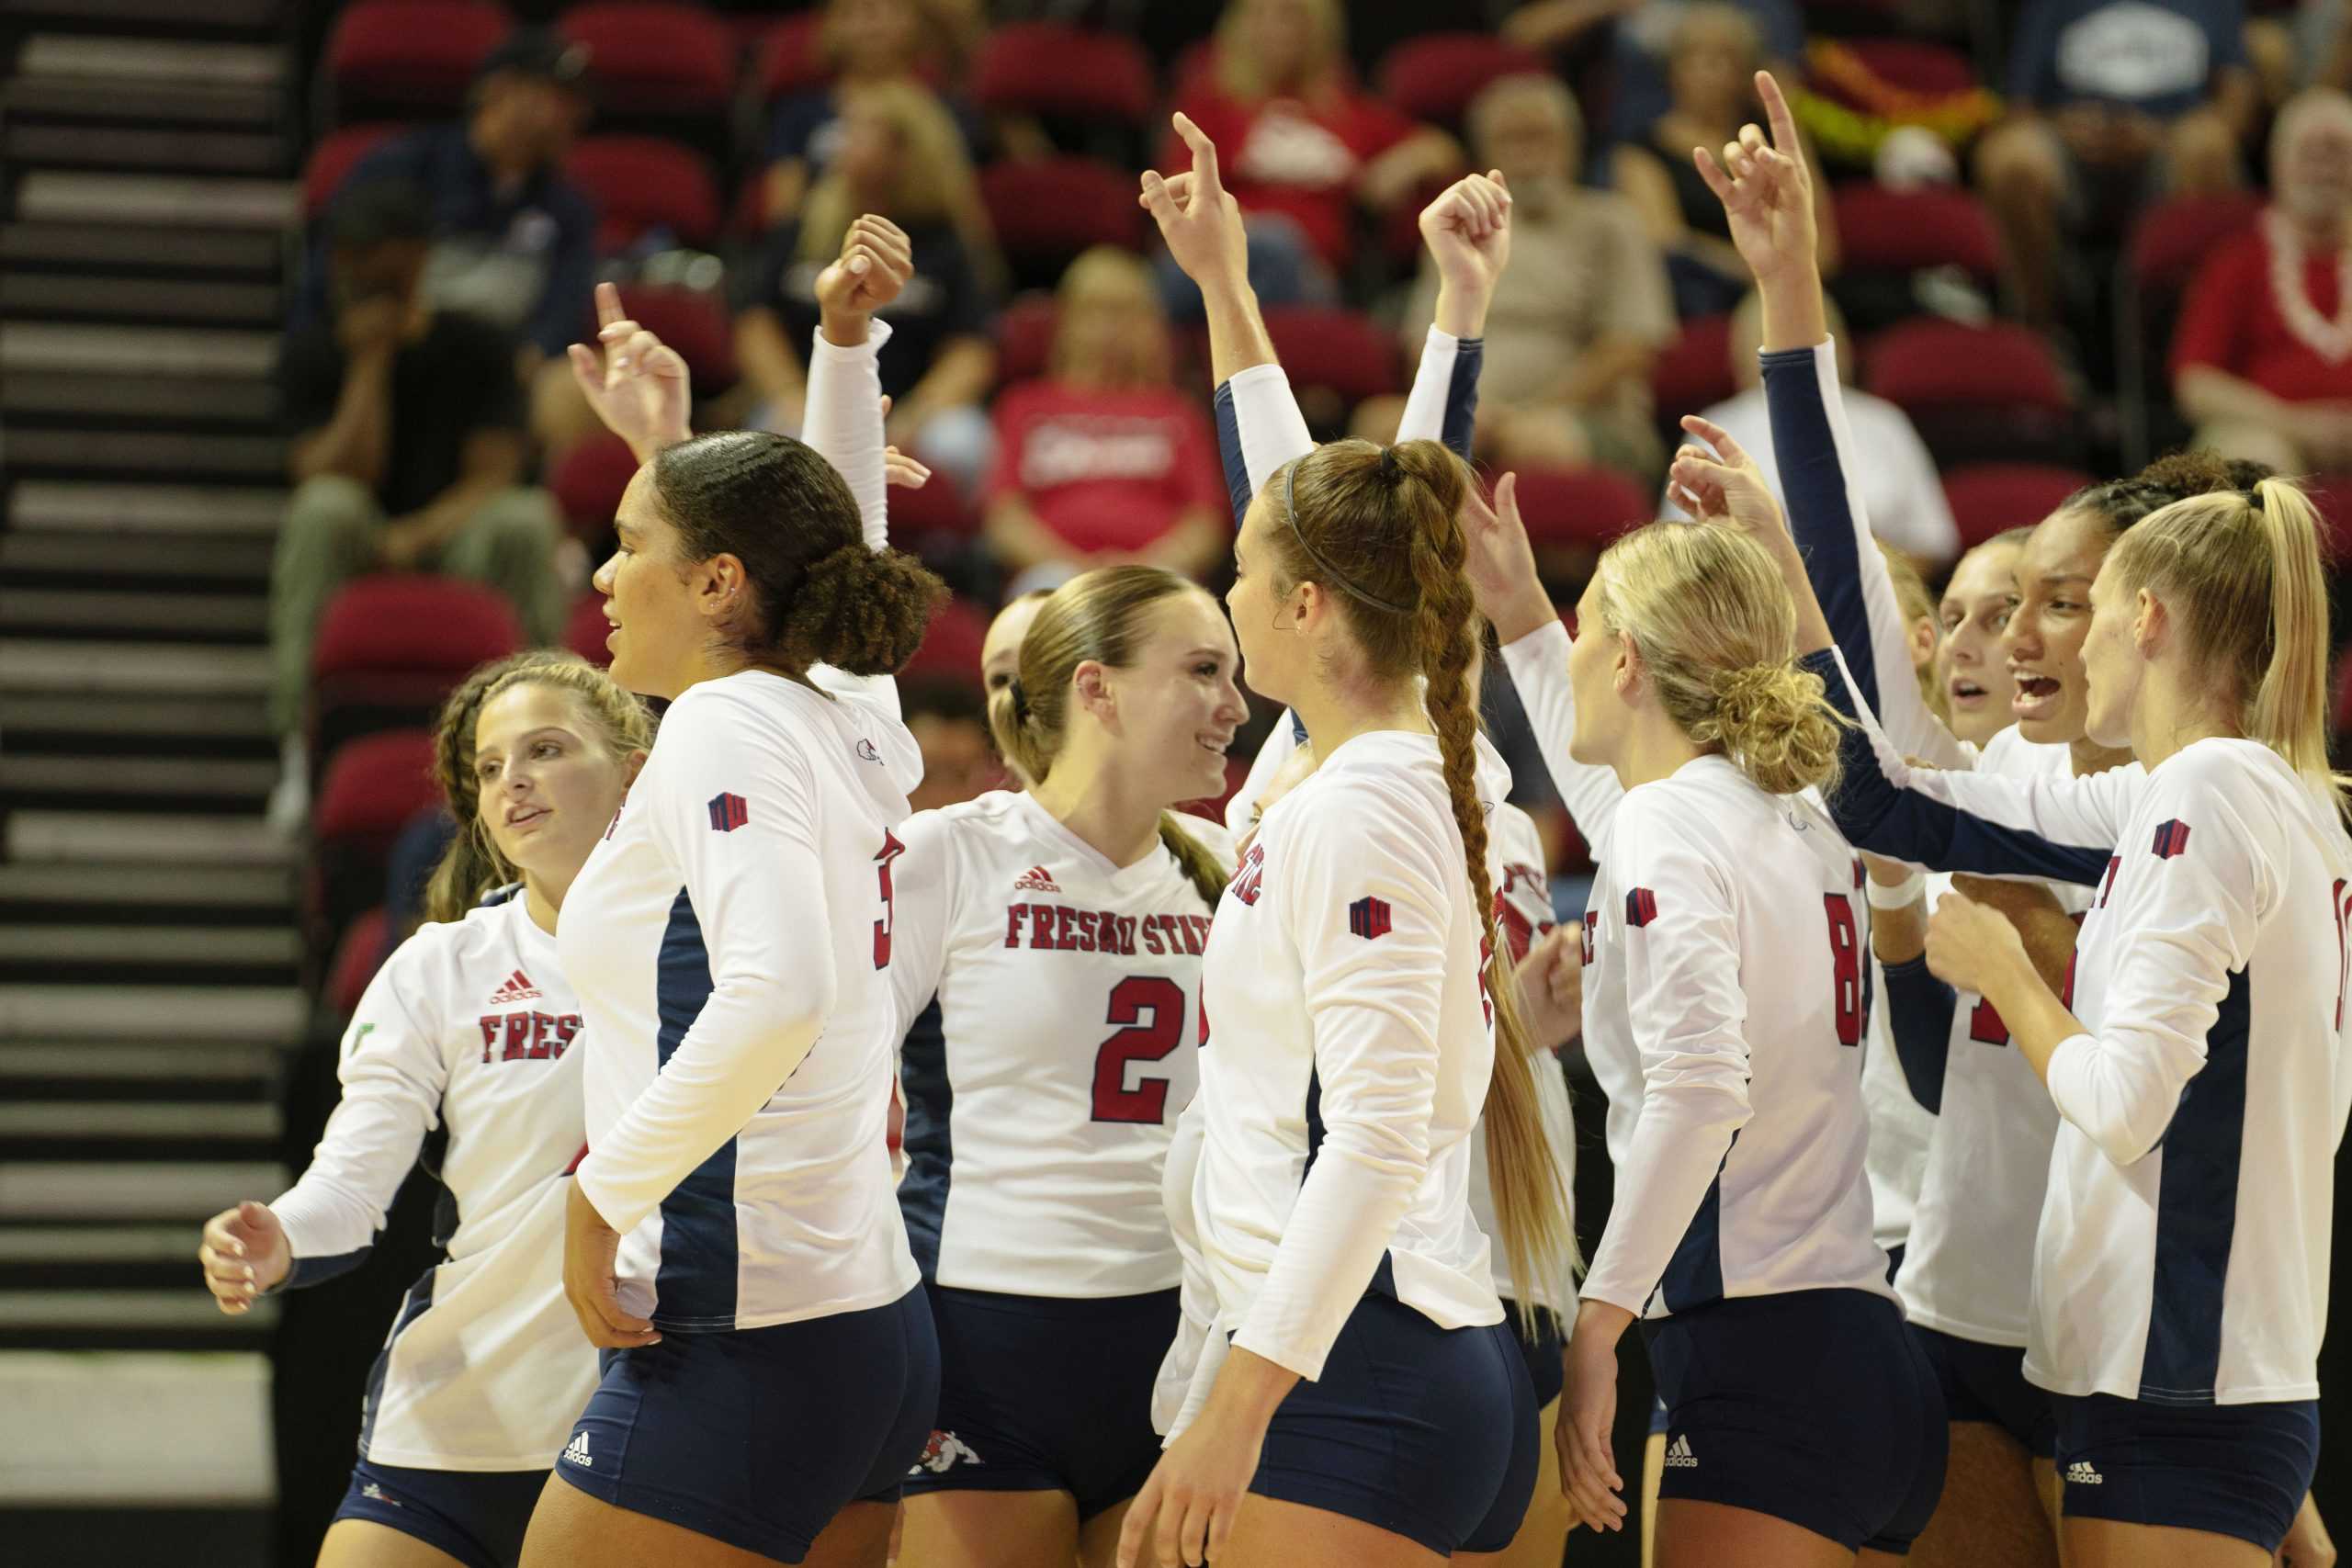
x=1901, y=896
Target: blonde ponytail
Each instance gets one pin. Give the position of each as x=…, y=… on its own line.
x=1774, y=722
x=2289, y=710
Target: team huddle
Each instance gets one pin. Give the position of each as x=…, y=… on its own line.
x=1231, y=1221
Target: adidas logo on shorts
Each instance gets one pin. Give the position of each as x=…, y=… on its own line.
x=578, y=1452
x=2080, y=1474
x=1678, y=1455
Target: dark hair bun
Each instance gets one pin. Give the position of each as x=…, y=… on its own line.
x=862, y=610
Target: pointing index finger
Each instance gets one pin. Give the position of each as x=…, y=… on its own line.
x=608, y=305
x=1203, y=154
x=1776, y=111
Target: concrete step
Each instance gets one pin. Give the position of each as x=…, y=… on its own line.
x=173, y=564
x=86, y=507
x=83, y=454
x=109, y=102
x=151, y=16
x=129, y=1320
x=102, y=1257
x=94, y=250
x=143, y=668
x=219, y=720
x=117, y=399
x=149, y=945
x=187, y=1192
x=222, y=778
x=150, y=61
x=92, y=888
x=262, y=1015
x=126, y=1129
x=49, y=197
x=146, y=841
x=30, y=346
x=199, y=302
x=229, y=617
x=233, y=151
x=92, y=1069
x=85, y=1429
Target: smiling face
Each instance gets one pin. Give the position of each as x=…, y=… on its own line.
x=545, y=785
x=2044, y=642
x=657, y=635
x=1176, y=705
x=1969, y=669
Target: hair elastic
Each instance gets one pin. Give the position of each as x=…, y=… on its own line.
x=1290, y=512
x=1020, y=699
x=1390, y=473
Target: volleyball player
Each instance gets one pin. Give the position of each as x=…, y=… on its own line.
x=465, y=1035
x=1047, y=954
x=1349, y=1041
x=733, y=1238
x=1000, y=648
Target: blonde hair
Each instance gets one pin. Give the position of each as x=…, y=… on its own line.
x=1917, y=604
x=934, y=171
x=1096, y=615
x=1710, y=619
x=2241, y=573
x=1112, y=270
x=945, y=31
x=1713, y=16
x=471, y=865
x=1238, y=69
x=1380, y=529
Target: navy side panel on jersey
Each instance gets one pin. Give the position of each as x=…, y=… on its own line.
x=930, y=1150
x=1805, y=449
x=2197, y=1205
x=695, y=1285
x=1903, y=824
x=1694, y=1275
x=412, y=1306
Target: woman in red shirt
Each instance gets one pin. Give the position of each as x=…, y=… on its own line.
x=1302, y=139
x=1103, y=461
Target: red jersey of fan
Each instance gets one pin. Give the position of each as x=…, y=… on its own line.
x=1106, y=470
x=2233, y=320
x=1298, y=159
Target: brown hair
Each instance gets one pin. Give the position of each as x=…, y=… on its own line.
x=1380, y=528
x=1096, y=615
x=471, y=865
x=1149, y=355
x=2242, y=575
x=818, y=593
x=1237, y=70
x=1917, y=604
x=1710, y=616
x=934, y=172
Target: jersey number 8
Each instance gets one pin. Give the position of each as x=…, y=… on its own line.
x=1846, y=957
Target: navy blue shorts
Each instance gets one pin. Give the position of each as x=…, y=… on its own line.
x=1425, y=1432
x=1986, y=1383
x=758, y=1437
x=1813, y=1406
x=1038, y=1393
x=1542, y=1351
x=2234, y=1470
x=478, y=1516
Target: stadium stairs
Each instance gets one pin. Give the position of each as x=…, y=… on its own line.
x=149, y=950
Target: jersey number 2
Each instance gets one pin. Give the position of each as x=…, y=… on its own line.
x=1141, y=1041
x=891, y=849
x=1845, y=959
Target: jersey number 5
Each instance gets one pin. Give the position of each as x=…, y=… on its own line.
x=891, y=849
x=1142, y=1041
x=1846, y=958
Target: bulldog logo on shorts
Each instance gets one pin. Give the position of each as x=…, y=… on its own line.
x=940, y=1454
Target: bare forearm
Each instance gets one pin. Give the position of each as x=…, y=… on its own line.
x=356, y=442
x=1238, y=336
x=2043, y=924
x=2209, y=396
x=767, y=360
x=440, y=520
x=1898, y=936
x=1603, y=368
x=1460, y=313
x=2038, y=1021
x=1191, y=546
x=960, y=375
x=1019, y=538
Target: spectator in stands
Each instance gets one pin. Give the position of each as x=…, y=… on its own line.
x=866, y=43
x=901, y=157
x=1641, y=44
x=1901, y=490
x=514, y=241
x=949, y=721
x=1301, y=139
x=1102, y=461
x=1579, y=315
x=2262, y=359
x=2112, y=100
x=408, y=452
x=1000, y=649
x=1713, y=54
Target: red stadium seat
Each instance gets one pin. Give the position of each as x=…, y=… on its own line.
x=1046, y=210
x=1987, y=393
x=2172, y=239
x=643, y=184
x=649, y=58
x=1434, y=77
x=1909, y=65
x=588, y=480
x=357, y=959
x=585, y=629
x=695, y=322
x=1989, y=498
x=1693, y=373
x=1334, y=349
x=335, y=157
x=1024, y=338
x=390, y=647
x=2167, y=245
x=1046, y=68
x=950, y=648
x=1882, y=230
x=373, y=784
x=791, y=58
x=418, y=56
x=937, y=508
x=1581, y=506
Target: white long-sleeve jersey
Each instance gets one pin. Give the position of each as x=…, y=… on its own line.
x=2182, y=1255
x=1349, y=1055
x=1729, y=933
x=738, y=909
x=467, y=1028
x=1051, y=1002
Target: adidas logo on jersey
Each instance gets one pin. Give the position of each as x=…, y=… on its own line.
x=2081, y=1475
x=941, y=1453
x=1678, y=1455
x=1036, y=879
x=517, y=988
x=577, y=1454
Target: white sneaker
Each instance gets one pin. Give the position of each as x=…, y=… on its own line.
x=288, y=811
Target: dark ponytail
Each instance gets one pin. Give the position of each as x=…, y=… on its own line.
x=817, y=593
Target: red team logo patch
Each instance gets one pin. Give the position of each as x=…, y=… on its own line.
x=1368, y=917
x=1641, y=907
x=729, y=812
x=1248, y=875
x=2172, y=838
